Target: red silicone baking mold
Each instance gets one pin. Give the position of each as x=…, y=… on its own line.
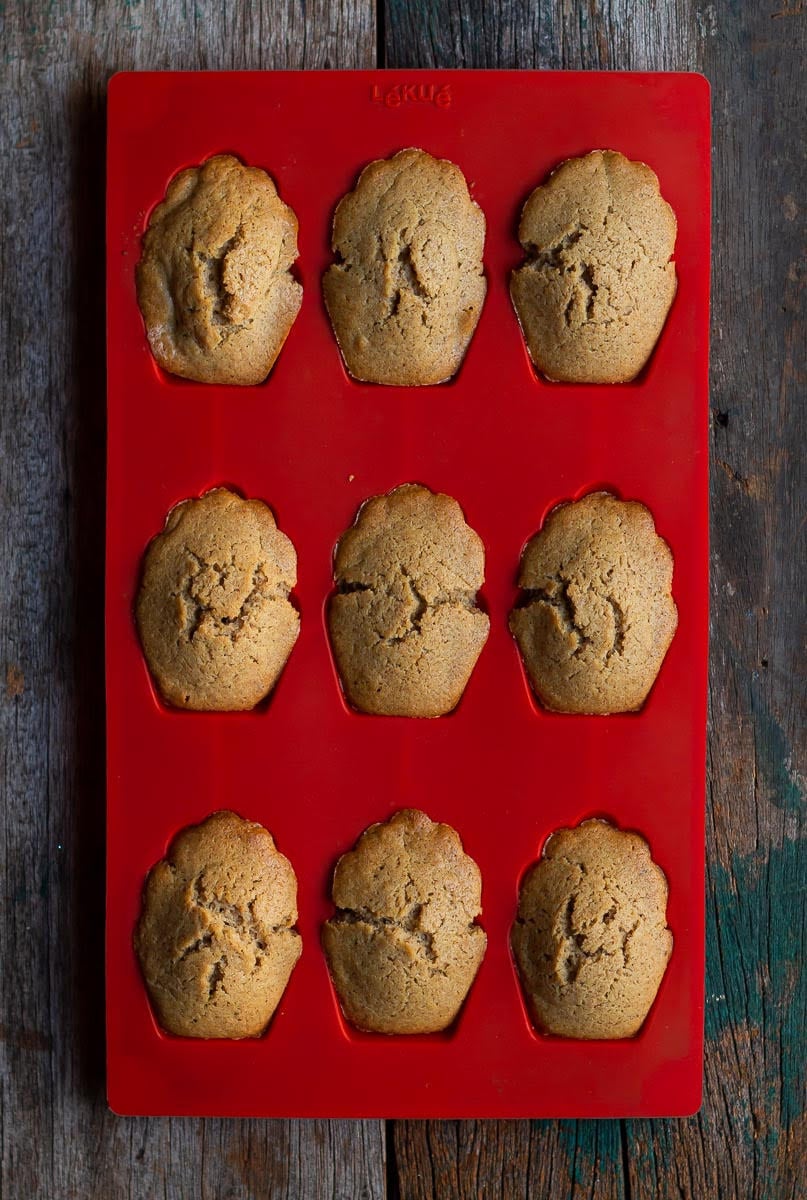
x=314, y=444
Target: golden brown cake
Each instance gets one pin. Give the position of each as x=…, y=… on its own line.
x=213, y=282
x=407, y=289
x=405, y=628
x=596, y=616
x=591, y=940
x=598, y=281
x=403, y=948
x=215, y=938
x=213, y=611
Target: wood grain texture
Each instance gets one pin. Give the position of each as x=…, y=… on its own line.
x=749, y=1141
x=58, y=1139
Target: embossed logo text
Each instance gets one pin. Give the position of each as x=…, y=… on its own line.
x=412, y=93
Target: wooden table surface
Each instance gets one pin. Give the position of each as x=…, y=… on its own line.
x=58, y=1139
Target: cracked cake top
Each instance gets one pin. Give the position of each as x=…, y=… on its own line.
x=407, y=289
x=404, y=624
x=597, y=616
x=215, y=938
x=403, y=947
x=213, y=611
x=591, y=940
x=213, y=282
x=598, y=281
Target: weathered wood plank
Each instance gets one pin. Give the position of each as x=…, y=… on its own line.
x=58, y=1139
x=749, y=1139
x=565, y=1159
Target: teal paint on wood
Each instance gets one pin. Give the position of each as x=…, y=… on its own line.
x=756, y=961
x=592, y=1145
x=774, y=754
